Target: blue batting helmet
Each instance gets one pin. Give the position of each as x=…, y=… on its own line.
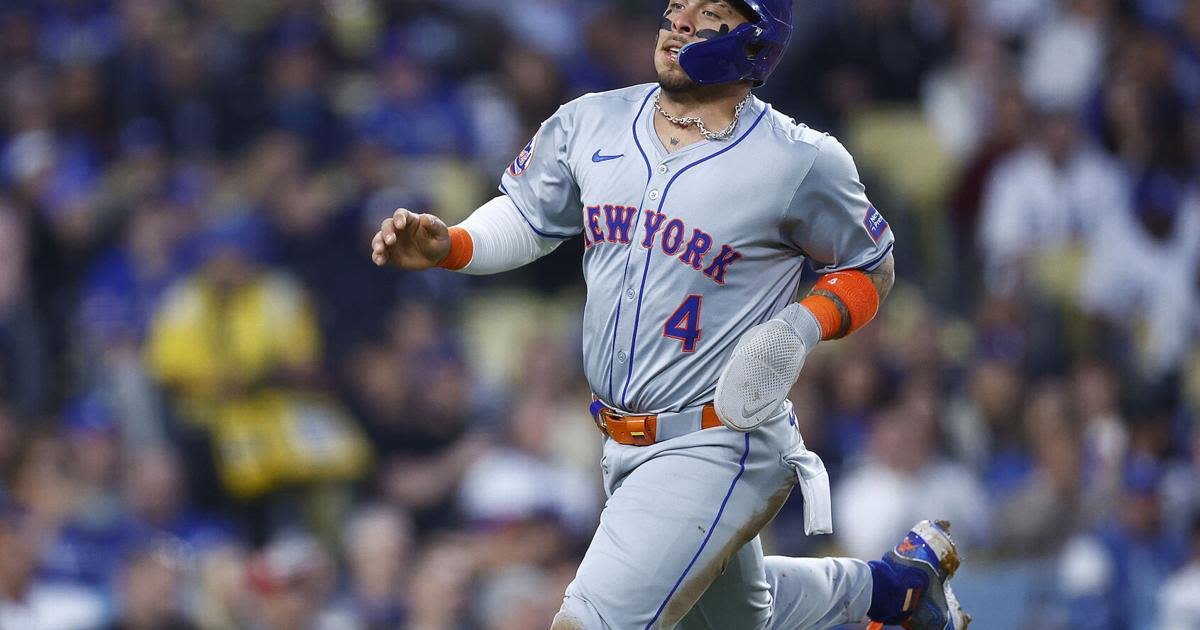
x=747, y=53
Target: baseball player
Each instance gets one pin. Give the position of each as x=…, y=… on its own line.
x=698, y=204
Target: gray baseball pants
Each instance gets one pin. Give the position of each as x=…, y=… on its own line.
x=678, y=545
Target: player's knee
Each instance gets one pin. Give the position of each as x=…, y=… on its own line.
x=564, y=621
x=577, y=614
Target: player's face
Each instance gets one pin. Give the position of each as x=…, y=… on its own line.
x=684, y=22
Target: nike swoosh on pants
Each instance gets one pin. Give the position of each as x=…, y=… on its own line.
x=748, y=411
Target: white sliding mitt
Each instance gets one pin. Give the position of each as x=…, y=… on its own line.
x=764, y=366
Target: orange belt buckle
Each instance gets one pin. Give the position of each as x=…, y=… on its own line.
x=641, y=430
x=629, y=430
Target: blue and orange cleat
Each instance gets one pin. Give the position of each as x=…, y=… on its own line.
x=925, y=561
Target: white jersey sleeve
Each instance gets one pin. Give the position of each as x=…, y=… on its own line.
x=830, y=218
x=503, y=239
x=541, y=183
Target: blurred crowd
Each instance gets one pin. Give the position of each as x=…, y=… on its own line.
x=215, y=412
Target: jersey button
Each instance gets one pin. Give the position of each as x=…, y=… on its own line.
x=662, y=169
x=620, y=356
x=653, y=195
x=629, y=294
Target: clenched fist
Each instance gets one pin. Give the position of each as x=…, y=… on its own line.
x=410, y=241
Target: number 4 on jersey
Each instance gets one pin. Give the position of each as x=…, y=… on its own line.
x=684, y=324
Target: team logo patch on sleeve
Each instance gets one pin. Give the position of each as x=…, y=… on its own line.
x=519, y=165
x=875, y=223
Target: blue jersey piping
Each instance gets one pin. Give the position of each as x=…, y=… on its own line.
x=645, y=271
x=711, y=528
x=531, y=226
x=617, y=325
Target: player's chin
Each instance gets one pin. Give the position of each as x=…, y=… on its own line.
x=675, y=80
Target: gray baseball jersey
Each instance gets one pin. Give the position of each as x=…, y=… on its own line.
x=687, y=250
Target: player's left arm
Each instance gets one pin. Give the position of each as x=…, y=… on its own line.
x=847, y=240
x=496, y=238
x=844, y=301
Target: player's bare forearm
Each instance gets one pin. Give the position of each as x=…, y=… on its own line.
x=883, y=277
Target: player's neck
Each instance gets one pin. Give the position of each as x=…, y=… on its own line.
x=714, y=104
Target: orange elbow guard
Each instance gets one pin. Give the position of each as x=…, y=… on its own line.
x=462, y=248
x=854, y=290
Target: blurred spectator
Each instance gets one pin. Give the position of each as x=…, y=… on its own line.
x=536, y=86
x=41, y=481
x=1064, y=59
x=410, y=92
x=981, y=427
x=309, y=214
x=553, y=26
x=148, y=592
x=855, y=385
x=28, y=603
x=517, y=598
x=1132, y=251
x=413, y=393
x=128, y=280
x=904, y=477
x=518, y=484
x=1179, y=600
x=1181, y=486
x=378, y=552
x=873, y=51
x=1045, y=200
x=140, y=173
x=296, y=101
x=98, y=532
x=237, y=344
x=157, y=497
x=1111, y=578
x=1140, y=113
x=259, y=327
x=1037, y=517
x=1004, y=130
x=24, y=364
x=962, y=99
x=293, y=579
x=1095, y=394
x=440, y=585
x=161, y=73
x=118, y=299
x=221, y=598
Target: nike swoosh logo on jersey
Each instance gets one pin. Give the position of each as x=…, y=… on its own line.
x=596, y=157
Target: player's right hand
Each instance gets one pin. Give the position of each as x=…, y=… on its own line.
x=410, y=241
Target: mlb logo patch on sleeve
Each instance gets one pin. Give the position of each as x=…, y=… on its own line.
x=875, y=223
x=520, y=164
